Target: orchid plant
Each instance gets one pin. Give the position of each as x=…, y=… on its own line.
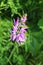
x=19, y=29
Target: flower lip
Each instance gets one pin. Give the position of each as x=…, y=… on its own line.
x=13, y=31
x=23, y=30
x=13, y=37
x=20, y=37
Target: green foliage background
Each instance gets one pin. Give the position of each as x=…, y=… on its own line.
x=31, y=53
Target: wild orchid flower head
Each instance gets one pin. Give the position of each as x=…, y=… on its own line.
x=18, y=32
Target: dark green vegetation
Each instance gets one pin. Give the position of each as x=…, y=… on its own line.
x=31, y=53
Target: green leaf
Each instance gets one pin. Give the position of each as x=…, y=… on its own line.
x=40, y=23
x=14, y=5
x=36, y=42
x=39, y=64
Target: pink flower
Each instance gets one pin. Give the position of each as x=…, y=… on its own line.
x=20, y=37
x=13, y=37
x=14, y=30
x=24, y=18
x=13, y=33
x=22, y=30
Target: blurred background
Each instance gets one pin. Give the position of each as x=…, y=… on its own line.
x=31, y=53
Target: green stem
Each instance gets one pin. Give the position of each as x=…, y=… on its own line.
x=8, y=61
x=12, y=52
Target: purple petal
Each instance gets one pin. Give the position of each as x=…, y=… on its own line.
x=13, y=37
x=17, y=38
x=22, y=30
x=16, y=22
x=14, y=30
x=20, y=37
